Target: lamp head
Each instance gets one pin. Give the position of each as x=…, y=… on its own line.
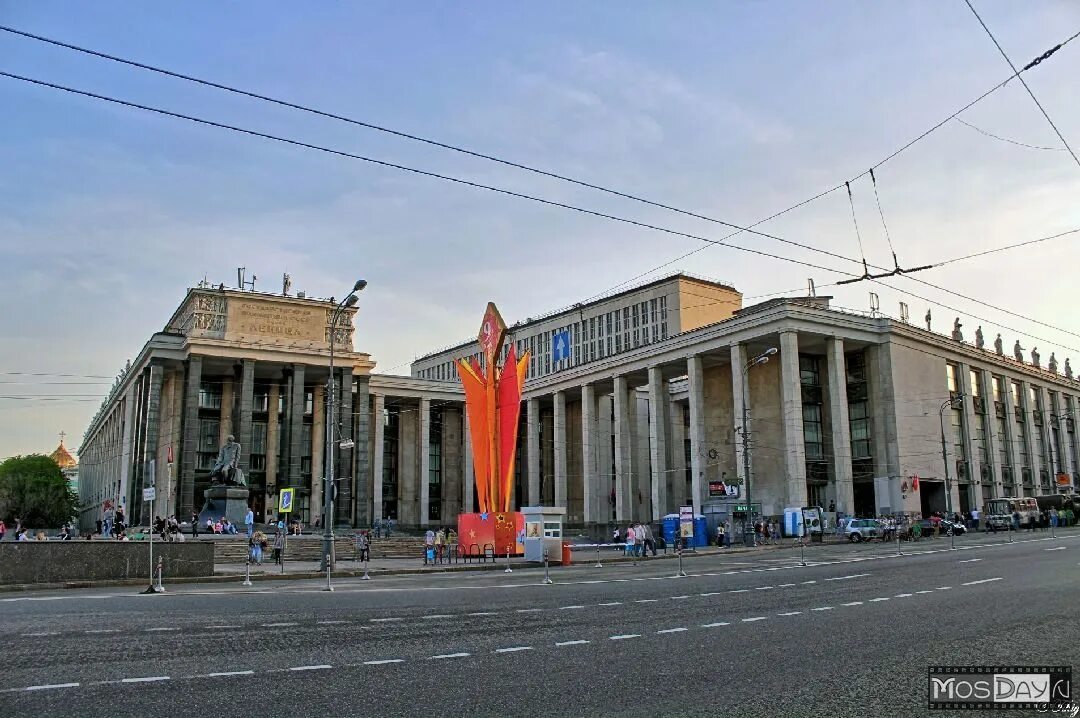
x=350, y=300
x=770, y=351
x=360, y=284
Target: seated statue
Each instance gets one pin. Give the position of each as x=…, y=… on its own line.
x=226, y=470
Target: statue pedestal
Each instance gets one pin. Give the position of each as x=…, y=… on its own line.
x=228, y=501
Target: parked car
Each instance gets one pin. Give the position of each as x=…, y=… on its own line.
x=948, y=528
x=862, y=530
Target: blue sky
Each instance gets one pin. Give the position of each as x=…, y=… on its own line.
x=734, y=109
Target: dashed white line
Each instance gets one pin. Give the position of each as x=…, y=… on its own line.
x=214, y=628
x=672, y=630
x=943, y=588
x=924, y=592
x=790, y=613
x=786, y=585
x=647, y=600
x=146, y=679
x=331, y=623
x=806, y=582
x=560, y=644
x=223, y=674
x=163, y=628
x=1056, y=548
x=482, y=613
x=283, y=624
x=625, y=636
x=513, y=649
x=755, y=618
x=763, y=588
x=570, y=608
x=739, y=590
x=51, y=686
x=710, y=593
x=903, y=595
x=529, y=610
x=41, y=633
x=678, y=598
x=845, y=578
x=822, y=608
x=885, y=598
x=853, y=603
x=437, y=615
x=386, y=620
x=985, y=580
x=319, y=667
x=715, y=625
x=449, y=655
x=610, y=603
x=384, y=661
x=970, y=560
x=104, y=630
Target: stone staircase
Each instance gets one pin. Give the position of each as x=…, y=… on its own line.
x=234, y=549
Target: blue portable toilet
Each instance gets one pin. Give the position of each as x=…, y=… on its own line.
x=701, y=531
x=671, y=528
x=792, y=522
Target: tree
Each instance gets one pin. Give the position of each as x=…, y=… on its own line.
x=34, y=489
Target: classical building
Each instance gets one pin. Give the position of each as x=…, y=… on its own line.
x=634, y=406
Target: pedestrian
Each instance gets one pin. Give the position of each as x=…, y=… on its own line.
x=249, y=522
x=727, y=535
x=97, y=525
x=1053, y=519
x=628, y=549
x=255, y=542
x=194, y=525
x=440, y=545
x=975, y=519
x=3, y=529
x=279, y=544
x=429, y=547
x=363, y=547
x=720, y=535
x=615, y=535
x=776, y=532
x=649, y=539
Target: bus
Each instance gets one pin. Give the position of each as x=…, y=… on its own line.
x=999, y=512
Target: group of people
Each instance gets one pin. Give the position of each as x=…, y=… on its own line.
x=1044, y=519
x=436, y=544
x=637, y=540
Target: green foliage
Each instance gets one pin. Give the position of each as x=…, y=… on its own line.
x=34, y=489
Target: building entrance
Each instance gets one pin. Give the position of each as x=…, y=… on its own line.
x=931, y=496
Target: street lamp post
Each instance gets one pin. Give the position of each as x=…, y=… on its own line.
x=944, y=456
x=749, y=538
x=331, y=405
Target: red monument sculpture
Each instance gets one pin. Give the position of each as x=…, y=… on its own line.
x=493, y=404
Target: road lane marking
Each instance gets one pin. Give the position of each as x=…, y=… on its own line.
x=715, y=625
x=483, y=613
x=513, y=649
x=755, y=618
x=739, y=590
x=763, y=588
x=672, y=630
x=822, y=608
x=970, y=560
x=386, y=620
x=625, y=636
x=163, y=628
x=319, y=667
x=104, y=630
x=903, y=595
x=384, y=661
x=1056, y=548
x=560, y=644
x=647, y=600
x=943, y=588
x=51, y=686
x=147, y=679
x=222, y=674
x=529, y=610
x=984, y=580
x=449, y=655
x=845, y=578
x=854, y=603
x=41, y=633
x=885, y=598
x=711, y=593
x=283, y=624
x=437, y=615
x=570, y=608
x=610, y=603
x=331, y=623
x=217, y=627
x=790, y=613
x=805, y=582
x=786, y=585
x=924, y=592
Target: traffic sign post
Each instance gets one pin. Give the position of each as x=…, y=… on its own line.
x=285, y=501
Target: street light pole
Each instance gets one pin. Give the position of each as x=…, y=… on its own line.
x=944, y=456
x=331, y=405
x=749, y=537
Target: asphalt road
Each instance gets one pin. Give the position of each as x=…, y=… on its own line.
x=851, y=634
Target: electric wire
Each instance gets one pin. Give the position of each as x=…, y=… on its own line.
x=1023, y=82
x=1006, y=139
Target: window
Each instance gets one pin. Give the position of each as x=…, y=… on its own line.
x=435, y=427
x=210, y=395
x=813, y=433
x=391, y=424
x=951, y=375
x=305, y=450
x=1014, y=389
x=309, y=402
x=260, y=401
x=976, y=379
x=996, y=383
x=859, y=415
x=663, y=318
x=258, y=446
x=209, y=431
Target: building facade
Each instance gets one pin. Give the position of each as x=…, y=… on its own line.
x=657, y=398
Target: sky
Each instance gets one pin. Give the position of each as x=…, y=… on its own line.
x=734, y=110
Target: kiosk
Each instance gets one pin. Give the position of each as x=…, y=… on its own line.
x=543, y=530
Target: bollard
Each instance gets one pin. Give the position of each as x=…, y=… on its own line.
x=507, y=561
x=952, y=537
x=598, y=564
x=898, y=551
x=247, y=573
x=1009, y=531
x=682, y=574
x=802, y=552
x=328, y=586
x=1053, y=530
x=547, y=576
x=159, y=588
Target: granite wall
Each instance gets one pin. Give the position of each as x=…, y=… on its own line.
x=25, y=562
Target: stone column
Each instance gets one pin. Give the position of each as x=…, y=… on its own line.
x=622, y=450
x=696, y=388
x=425, y=460
x=1010, y=439
x=247, y=400
x=559, y=433
x=296, y=422
x=343, y=471
x=273, y=437
x=1027, y=439
x=377, y=457
x=361, y=514
x=794, y=441
x=970, y=417
x=588, y=455
x=738, y=397
x=533, y=449
x=467, y=464
x=841, y=426
x=658, y=439
x=225, y=426
x=990, y=419
x=185, y=495
x=676, y=478
x=150, y=443
x=318, y=452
